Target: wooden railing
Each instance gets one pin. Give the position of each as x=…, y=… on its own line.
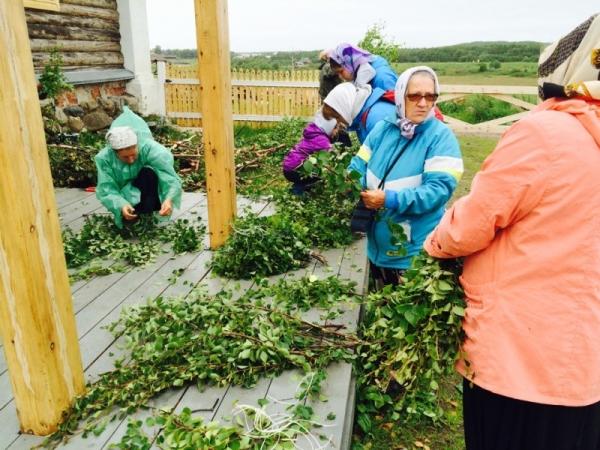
x=261, y=97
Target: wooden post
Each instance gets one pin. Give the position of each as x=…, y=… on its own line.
x=161, y=75
x=36, y=313
x=212, y=33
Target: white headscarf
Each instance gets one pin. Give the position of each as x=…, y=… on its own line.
x=121, y=137
x=574, y=61
x=326, y=125
x=348, y=99
x=407, y=127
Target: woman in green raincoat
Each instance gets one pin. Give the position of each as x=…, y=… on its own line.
x=135, y=173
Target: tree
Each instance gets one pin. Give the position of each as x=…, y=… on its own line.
x=377, y=43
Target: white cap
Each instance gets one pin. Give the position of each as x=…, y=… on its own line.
x=348, y=100
x=121, y=137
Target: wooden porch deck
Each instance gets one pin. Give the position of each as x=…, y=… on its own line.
x=97, y=302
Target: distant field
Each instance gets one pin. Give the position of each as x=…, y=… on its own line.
x=508, y=74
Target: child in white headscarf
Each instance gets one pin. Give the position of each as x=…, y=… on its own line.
x=339, y=109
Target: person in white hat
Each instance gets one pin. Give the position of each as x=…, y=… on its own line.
x=135, y=173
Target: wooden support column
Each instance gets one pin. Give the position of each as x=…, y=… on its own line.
x=36, y=312
x=212, y=33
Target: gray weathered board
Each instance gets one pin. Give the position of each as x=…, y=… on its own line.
x=98, y=302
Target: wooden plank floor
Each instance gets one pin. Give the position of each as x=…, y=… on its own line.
x=98, y=302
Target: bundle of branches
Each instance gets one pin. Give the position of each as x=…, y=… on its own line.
x=135, y=244
x=206, y=340
x=306, y=293
x=262, y=246
x=412, y=334
x=326, y=209
x=72, y=158
x=254, y=157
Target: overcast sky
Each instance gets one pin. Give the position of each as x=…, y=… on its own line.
x=270, y=25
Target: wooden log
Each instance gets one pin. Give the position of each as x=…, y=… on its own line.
x=75, y=59
x=36, y=312
x=89, y=11
x=53, y=32
x=212, y=34
x=106, y=4
x=61, y=20
x=43, y=45
x=48, y=5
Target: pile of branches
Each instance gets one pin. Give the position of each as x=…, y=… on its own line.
x=213, y=340
x=263, y=246
x=407, y=344
x=99, y=243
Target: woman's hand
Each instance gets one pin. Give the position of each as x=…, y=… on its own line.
x=373, y=199
x=166, y=208
x=128, y=213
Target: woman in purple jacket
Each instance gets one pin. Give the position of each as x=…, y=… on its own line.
x=340, y=107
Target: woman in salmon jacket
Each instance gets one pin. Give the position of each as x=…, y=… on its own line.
x=530, y=234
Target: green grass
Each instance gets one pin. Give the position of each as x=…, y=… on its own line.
x=509, y=73
x=474, y=151
x=446, y=435
x=487, y=79
x=477, y=108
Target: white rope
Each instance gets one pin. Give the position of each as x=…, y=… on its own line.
x=280, y=426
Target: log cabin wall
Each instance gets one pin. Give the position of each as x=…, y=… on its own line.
x=85, y=32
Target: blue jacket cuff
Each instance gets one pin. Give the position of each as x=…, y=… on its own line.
x=391, y=200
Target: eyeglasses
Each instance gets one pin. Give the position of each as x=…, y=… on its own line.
x=416, y=98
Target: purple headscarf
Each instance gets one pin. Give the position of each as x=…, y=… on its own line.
x=350, y=57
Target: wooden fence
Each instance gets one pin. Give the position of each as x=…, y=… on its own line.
x=261, y=97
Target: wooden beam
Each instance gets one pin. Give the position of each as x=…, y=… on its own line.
x=48, y=5
x=212, y=34
x=514, y=101
x=36, y=313
x=62, y=20
x=44, y=45
x=74, y=59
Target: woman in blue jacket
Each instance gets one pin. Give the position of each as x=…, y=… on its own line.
x=418, y=184
x=361, y=67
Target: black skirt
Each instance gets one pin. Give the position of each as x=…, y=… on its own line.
x=495, y=422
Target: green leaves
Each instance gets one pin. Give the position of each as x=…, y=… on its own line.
x=262, y=246
x=53, y=79
x=207, y=340
x=413, y=335
x=137, y=244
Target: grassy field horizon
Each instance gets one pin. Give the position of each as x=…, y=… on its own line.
x=463, y=73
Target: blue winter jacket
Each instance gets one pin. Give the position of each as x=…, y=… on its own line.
x=376, y=109
x=416, y=188
x=385, y=77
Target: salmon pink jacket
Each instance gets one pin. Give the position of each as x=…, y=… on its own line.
x=530, y=234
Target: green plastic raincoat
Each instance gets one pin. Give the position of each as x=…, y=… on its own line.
x=114, y=188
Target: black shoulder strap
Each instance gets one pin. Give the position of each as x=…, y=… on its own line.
x=387, y=171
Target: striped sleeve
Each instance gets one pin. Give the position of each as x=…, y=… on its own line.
x=441, y=172
x=363, y=156
x=447, y=164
